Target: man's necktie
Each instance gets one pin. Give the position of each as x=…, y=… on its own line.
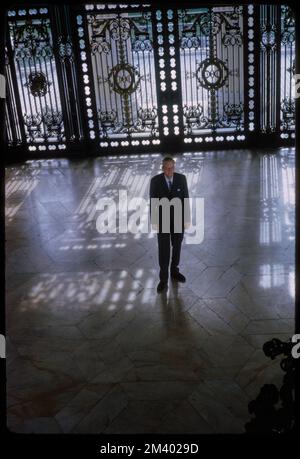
x=170, y=184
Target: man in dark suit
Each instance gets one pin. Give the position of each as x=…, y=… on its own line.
x=169, y=185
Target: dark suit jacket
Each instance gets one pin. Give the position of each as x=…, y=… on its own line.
x=159, y=189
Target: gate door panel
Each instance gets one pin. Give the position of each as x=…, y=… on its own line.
x=31, y=54
x=212, y=71
x=123, y=69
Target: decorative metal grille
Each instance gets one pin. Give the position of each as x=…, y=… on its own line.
x=136, y=76
x=30, y=48
x=287, y=92
x=122, y=55
x=269, y=63
x=212, y=77
x=67, y=68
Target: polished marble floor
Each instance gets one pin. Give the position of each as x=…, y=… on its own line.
x=92, y=347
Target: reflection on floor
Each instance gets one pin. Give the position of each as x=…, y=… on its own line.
x=93, y=348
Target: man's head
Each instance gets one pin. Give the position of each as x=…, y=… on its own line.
x=168, y=166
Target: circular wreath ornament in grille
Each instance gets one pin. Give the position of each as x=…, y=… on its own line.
x=212, y=74
x=38, y=84
x=124, y=79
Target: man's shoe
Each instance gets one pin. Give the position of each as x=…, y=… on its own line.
x=161, y=286
x=178, y=276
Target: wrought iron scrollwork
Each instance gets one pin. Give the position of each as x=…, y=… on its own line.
x=122, y=58
x=35, y=67
x=288, y=32
x=44, y=125
x=129, y=56
x=53, y=121
x=100, y=46
x=65, y=48
x=194, y=117
x=287, y=108
x=287, y=102
x=233, y=115
x=214, y=39
x=232, y=38
x=142, y=44
x=148, y=117
x=233, y=34
x=268, y=37
x=119, y=28
x=32, y=40
x=107, y=121
x=190, y=42
x=38, y=84
x=33, y=125
x=210, y=23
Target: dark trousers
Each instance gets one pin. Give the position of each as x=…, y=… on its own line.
x=164, y=249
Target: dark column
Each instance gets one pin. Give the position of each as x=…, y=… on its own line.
x=2, y=207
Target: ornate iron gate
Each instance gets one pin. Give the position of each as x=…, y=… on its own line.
x=212, y=73
x=287, y=83
x=121, y=47
x=131, y=76
x=30, y=50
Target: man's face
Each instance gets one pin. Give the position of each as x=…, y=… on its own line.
x=168, y=168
